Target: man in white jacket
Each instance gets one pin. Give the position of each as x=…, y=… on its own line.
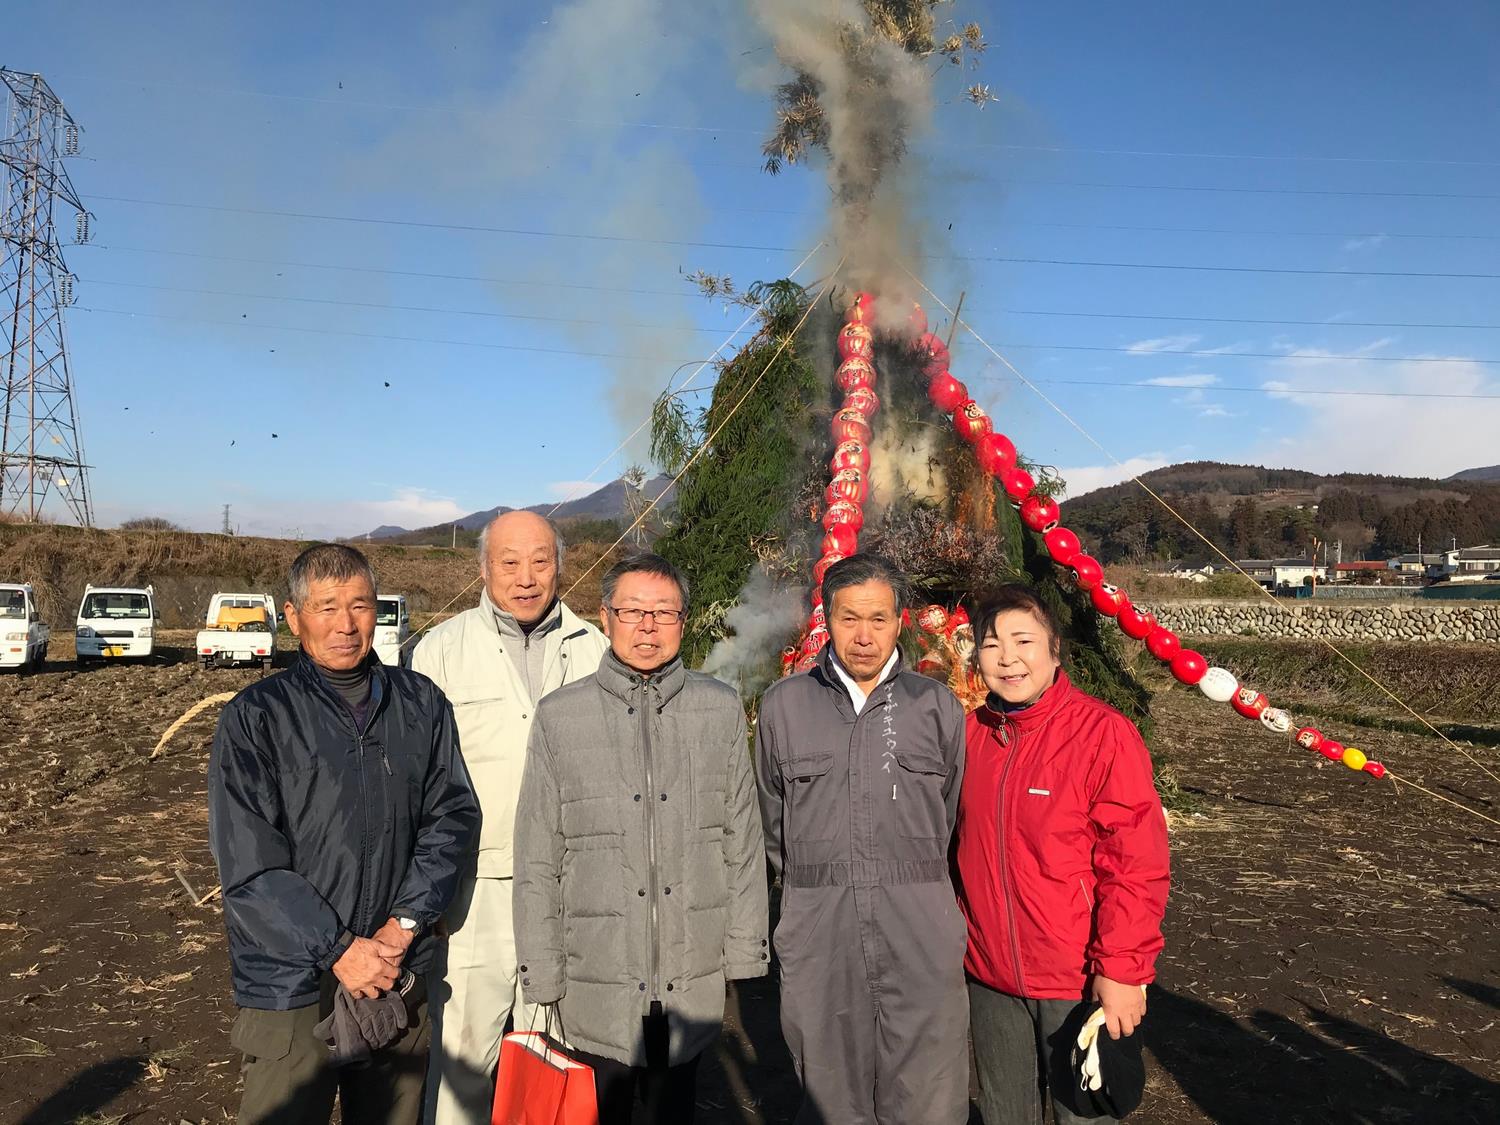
x=494, y=663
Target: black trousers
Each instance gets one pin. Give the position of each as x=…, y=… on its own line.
x=668, y=1094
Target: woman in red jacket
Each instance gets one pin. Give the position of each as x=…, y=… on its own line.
x=1061, y=855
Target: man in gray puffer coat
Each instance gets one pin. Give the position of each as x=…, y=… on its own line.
x=640, y=880
x=860, y=763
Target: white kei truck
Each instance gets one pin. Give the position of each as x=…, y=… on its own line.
x=241, y=629
x=392, y=628
x=116, y=622
x=23, y=635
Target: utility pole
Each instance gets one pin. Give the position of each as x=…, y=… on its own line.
x=41, y=449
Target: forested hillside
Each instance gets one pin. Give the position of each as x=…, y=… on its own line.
x=1253, y=512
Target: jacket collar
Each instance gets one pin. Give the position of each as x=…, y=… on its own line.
x=305, y=671
x=824, y=672
x=559, y=620
x=1044, y=708
x=623, y=681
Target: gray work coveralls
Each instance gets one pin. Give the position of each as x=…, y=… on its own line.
x=858, y=812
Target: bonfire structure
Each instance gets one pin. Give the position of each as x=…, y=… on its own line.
x=842, y=426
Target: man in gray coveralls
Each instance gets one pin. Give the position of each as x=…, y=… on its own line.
x=859, y=763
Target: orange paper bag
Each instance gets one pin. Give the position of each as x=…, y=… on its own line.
x=541, y=1084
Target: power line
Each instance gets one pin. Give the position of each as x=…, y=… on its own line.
x=468, y=228
x=1215, y=388
x=1244, y=355
x=407, y=308
x=686, y=328
x=692, y=293
x=345, y=103
x=1289, y=389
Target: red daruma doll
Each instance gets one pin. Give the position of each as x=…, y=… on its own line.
x=1062, y=871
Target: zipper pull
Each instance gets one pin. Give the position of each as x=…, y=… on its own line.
x=384, y=761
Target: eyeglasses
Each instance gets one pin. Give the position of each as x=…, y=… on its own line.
x=658, y=616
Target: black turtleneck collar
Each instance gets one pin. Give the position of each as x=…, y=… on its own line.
x=351, y=685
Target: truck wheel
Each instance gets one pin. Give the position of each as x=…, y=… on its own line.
x=43, y=663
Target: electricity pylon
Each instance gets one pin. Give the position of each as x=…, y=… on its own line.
x=41, y=449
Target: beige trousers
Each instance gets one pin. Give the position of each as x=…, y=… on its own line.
x=473, y=992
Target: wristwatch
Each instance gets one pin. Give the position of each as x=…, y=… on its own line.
x=407, y=924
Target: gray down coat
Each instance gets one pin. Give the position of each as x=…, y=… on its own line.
x=639, y=861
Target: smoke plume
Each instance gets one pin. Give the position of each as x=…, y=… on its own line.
x=764, y=617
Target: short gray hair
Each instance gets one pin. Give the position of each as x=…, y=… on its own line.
x=324, y=561
x=484, y=541
x=856, y=570
x=643, y=563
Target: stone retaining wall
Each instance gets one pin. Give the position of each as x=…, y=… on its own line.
x=1299, y=619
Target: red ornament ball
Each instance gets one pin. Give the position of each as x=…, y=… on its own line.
x=1309, y=738
x=971, y=422
x=946, y=393
x=1087, y=571
x=995, y=454
x=820, y=568
x=1135, y=622
x=1189, y=667
x=855, y=373
x=957, y=620
x=1333, y=751
x=850, y=455
x=807, y=662
x=851, y=425
x=1109, y=600
x=1249, y=702
x=1062, y=545
x=866, y=401
x=1039, y=512
x=1163, y=644
x=847, y=484
x=932, y=353
x=862, y=311
x=843, y=512
x=1374, y=769
x=1018, y=484
x=856, y=342
x=932, y=619
x=840, y=539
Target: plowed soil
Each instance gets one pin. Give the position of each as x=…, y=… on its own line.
x=1333, y=942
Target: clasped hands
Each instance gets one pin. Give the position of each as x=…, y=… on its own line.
x=372, y=965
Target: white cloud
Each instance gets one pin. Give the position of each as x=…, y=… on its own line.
x=1086, y=478
x=1183, y=381
x=1162, y=344
x=1399, y=435
x=1369, y=242
x=411, y=507
x=1215, y=410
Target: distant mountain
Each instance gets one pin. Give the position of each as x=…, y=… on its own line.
x=1485, y=473
x=1255, y=512
x=606, y=503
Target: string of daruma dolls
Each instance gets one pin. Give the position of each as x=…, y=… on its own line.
x=843, y=519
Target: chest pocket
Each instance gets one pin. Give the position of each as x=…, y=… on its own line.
x=921, y=817
x=467, y=693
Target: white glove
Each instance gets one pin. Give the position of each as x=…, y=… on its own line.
x=1088, y=1043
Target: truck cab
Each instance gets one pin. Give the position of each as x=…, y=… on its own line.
x=239, y=629
x=23, y=636
x=392, y=626
x=116, y=622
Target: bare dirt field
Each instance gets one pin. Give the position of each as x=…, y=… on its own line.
x=1333, y=943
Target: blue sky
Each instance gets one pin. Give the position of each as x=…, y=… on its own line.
x=542, y=176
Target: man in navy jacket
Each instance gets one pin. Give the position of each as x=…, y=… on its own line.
x=339, y=812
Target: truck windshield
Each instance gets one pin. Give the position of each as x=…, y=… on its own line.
x=387, y=612
x=12, y=604
x=117, y=606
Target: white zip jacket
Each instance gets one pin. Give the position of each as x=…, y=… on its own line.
x=465, y=657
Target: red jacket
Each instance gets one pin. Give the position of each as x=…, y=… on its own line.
x=1061, y=848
